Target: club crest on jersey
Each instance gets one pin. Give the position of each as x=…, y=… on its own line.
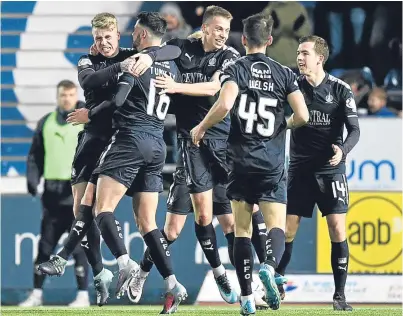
x=350, y=103
x=329, y=98
x=212, y=62
x=260, y=70
x=84, y=61
x=227, y=62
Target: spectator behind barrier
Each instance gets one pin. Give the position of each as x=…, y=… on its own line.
x=177, y=26
x=377, y=102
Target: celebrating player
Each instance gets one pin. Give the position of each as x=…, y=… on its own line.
x=254, y=89
x=200, y=177
x=135, y=158
x=98, y=76
x=317, y=159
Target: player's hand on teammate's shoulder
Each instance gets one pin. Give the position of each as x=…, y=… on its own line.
x=79, y=116
x=140, y=64
x=128, y=63
x=338, y=155
x=166, y=83
x=197, y=134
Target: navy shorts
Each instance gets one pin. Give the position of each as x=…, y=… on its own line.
x=328, y=191
x=179, y=201
x=89, y=149
x=205, y=166
x=134, y=159
x=257, y=187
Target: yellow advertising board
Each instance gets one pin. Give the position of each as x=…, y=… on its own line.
x=374, y=234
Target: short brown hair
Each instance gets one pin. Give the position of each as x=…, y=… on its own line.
x=379, y=93
x=320, y=47
x=104, y=20
x=257, y=29
x=66, y=84
x=213, y=11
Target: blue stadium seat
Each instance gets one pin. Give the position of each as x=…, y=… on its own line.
x=10, y=113
x=10, y=41
x=19, y=131
x=7, y=95
x=7, y=77
x=8, y=60
x=13, y=24
x=17, y=7
x=15, y=149
x=19, y=166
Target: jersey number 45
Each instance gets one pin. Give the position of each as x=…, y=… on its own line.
x=265, y=129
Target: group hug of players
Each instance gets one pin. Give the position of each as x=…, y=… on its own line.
x=231, y=164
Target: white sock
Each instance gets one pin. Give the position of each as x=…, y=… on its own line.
x=254, y=285
x=170, y=282
x=244, y=299
x=271, y=269
x=123, y=260
x=82, y=294
x=143, y=274
x=99, y=274
x=220, y=270
x=37, y=293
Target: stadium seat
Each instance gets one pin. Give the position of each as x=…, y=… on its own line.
x=393, y=80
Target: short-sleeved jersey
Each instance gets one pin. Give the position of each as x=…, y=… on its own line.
x=330, y=104
x=258, y=123
x=144, y=109
x=196, y=66
x=102, y=124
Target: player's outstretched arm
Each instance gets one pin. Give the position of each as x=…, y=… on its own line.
x=144, y=61
x=166, y=53
x=218, y=112
x=201, y=89
x=91, y=79
x=298, y=105
x=223, y=105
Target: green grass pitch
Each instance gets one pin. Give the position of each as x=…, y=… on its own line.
x=286, y=310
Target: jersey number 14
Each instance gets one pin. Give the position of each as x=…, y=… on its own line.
x=254, y=113
x=161, y=109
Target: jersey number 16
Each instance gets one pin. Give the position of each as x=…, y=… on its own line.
x=161, y=109
x=251, y=116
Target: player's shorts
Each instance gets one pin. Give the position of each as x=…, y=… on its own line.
x=179, y=201
x=258, y=187
x=205, y=166
x=328, y=191
x=89, y=149
x=134, y=159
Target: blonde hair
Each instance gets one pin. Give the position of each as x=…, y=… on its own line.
x=104, y=20
x=379, y=93
x=213, y=11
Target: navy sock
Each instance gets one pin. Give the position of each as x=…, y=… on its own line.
x=275, y=245
x=243, y=257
